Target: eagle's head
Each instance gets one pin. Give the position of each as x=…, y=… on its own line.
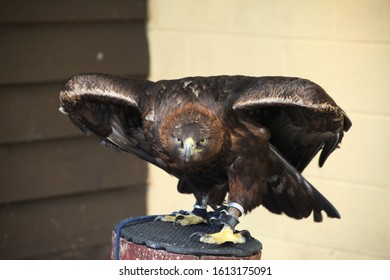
x=192, y=134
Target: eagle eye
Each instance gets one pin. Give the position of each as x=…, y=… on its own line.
x=178, y=141
x=203, y=142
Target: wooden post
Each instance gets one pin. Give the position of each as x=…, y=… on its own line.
x=147, y=239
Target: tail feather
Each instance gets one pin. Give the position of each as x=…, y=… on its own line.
x=290, y=193
x=323, y=204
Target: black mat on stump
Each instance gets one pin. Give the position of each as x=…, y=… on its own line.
x=176, y=239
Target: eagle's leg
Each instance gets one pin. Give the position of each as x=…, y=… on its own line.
x=197, y=216
x=227, y=233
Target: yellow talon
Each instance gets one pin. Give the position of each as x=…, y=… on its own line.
x=225, y=235
x=184, y=220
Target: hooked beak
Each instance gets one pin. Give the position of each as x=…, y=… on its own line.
x=189, y=148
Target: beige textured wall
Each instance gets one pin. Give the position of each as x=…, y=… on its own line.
x=344, y=45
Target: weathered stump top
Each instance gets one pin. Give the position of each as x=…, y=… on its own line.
x=154, y=239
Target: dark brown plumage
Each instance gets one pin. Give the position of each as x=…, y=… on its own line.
x=250, y=137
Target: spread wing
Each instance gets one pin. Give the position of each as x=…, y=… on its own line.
x=302, y=121
x=110, y=107
x=301, y=117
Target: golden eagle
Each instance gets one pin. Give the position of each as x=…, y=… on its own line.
x=248, y=137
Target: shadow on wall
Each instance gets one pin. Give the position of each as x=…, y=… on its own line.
x=61, y=193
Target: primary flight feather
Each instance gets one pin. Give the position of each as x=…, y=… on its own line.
x=248, y=137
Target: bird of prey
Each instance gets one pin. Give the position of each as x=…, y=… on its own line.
x=244, y=138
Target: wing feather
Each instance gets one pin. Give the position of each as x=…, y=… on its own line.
x=301, y=117
x=290, y=193
x=302, y=120
x=110, y=107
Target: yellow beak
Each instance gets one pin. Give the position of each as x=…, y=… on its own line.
x=189, y=148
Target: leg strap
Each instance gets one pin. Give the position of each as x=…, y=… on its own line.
x=229, y=220
x=200, y=211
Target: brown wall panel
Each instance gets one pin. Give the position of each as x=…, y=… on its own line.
x=54, y=168
x=30, y=113
x=52, y=226
x=46, y=53
x=61, y=192
x=16, y=11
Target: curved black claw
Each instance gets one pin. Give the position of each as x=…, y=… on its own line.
x=245, y=233
x=197, y=234
x=159, y=218
x=178, y=219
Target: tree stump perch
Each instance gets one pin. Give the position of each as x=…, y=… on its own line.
x=147, y=239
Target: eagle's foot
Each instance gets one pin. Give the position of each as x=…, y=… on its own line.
x=183, y=219
x=225, y=235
